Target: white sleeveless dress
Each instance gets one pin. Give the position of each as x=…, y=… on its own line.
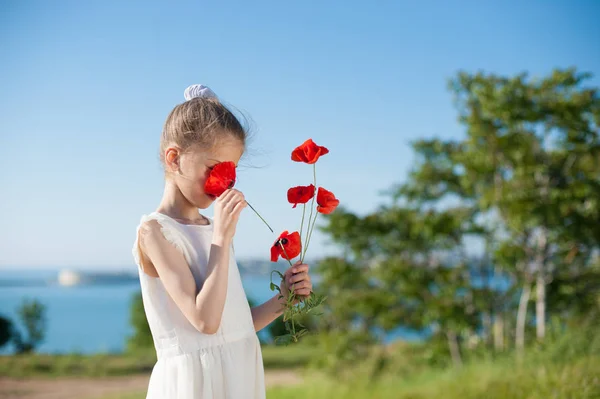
x=193, y=365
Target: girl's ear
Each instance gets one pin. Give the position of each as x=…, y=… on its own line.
x=172, y=159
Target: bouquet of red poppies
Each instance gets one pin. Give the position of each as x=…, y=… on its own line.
x=288, y=245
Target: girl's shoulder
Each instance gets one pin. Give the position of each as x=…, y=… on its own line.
x=157, y=224
x=173, y=230
x=155, y=228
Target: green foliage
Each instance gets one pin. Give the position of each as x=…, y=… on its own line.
x=296, y=314
x=341, y=351
x=6, y=331
x=278, y=329
x=289, y=357
x=141, y=339
x=33, y=317
x=524, y=181
x=408, y=269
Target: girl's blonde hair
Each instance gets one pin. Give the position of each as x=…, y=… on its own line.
x=199, y=123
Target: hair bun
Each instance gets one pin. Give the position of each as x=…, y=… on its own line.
x=198, y=91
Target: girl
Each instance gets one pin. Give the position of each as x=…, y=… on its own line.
x=203, y=329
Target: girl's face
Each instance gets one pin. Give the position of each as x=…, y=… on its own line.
x=193, y=167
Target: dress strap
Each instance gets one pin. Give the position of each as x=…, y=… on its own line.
x=170, y=230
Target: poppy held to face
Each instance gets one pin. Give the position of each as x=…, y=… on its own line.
x=221, y=178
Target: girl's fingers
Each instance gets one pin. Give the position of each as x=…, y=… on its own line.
x=238, y=207
x=303, y=284
x=299, y=277
x=303, y=292
x=226, y=195
x=237, y=199
x=233, y=200
x=300, y=268
x=229, y=194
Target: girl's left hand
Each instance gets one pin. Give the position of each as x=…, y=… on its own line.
x=296, y=278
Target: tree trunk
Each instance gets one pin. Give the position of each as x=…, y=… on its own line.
x=540, y=306
x=522, y=318
x=499, y=331
x=487, y=329
x=540, y=286
x=454, y=348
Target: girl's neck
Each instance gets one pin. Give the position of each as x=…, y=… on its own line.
x=175, y=205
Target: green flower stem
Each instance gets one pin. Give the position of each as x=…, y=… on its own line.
x=312, y=207
x=291, y=297
x=293, y=326
x=289, y=306
x=307, y=231
x=311, y=231
x=261, y=218
x=302, y=223
x=305, y=306
x=285, y=253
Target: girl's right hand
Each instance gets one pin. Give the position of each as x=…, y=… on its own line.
x=227, y=212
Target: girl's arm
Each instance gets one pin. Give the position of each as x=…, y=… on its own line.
x=265, y=314
x=296, y=276
x=203, y=309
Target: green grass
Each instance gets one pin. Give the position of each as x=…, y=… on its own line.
x=579, y=379
x=103, y=365
x=576, y=379
x=141, y=395
x=568, y=367
x=287, y=357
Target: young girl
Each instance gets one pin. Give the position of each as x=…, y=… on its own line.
x=203, y=329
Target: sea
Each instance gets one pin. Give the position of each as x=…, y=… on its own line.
x=93, y=317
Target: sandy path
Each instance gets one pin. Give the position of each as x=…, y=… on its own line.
x=89, y=388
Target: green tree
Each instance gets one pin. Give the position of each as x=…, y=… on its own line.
x=6, y=331
x=525, y=180
x=33, y=316
x=142, y=337
x=529, y=167
x=532, y=151
x=403, y=266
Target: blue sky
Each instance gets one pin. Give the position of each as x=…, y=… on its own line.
x=86, y=86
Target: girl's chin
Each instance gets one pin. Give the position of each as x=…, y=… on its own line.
x=205, y=201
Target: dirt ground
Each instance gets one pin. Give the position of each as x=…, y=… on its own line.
x=90, y=388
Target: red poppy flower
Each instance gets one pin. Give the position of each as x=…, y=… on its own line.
x=300, y=194
x=221, y=178
x=308, y=152
x=326, y=201
x=290, y=242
